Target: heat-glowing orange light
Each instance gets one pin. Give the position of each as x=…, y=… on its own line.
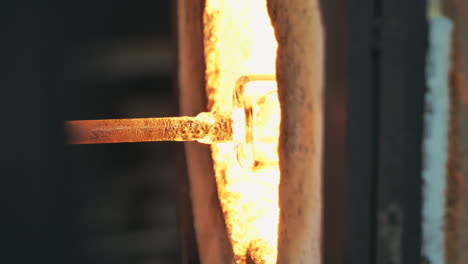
x=239, y=41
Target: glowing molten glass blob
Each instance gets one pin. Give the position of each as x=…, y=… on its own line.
x=239, y=41
x=256, y=125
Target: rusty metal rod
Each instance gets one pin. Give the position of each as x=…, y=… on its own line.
x=205, y=128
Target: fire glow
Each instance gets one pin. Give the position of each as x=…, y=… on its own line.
x=239, y=41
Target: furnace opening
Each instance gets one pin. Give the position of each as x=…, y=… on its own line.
x=239, y=41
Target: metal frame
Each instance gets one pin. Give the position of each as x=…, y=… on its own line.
x=402, y=67
x=375, y=85
x=350, y=131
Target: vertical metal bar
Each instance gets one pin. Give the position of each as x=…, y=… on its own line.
x=335, y=20
x=361, y=134
x=456, y=206
x=402, y=87
x=350, y=131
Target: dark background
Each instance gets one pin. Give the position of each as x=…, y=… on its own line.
x=67, y=60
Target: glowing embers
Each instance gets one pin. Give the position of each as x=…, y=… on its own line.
x=256, y=118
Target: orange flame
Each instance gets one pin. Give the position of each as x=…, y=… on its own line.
x=239, y=40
